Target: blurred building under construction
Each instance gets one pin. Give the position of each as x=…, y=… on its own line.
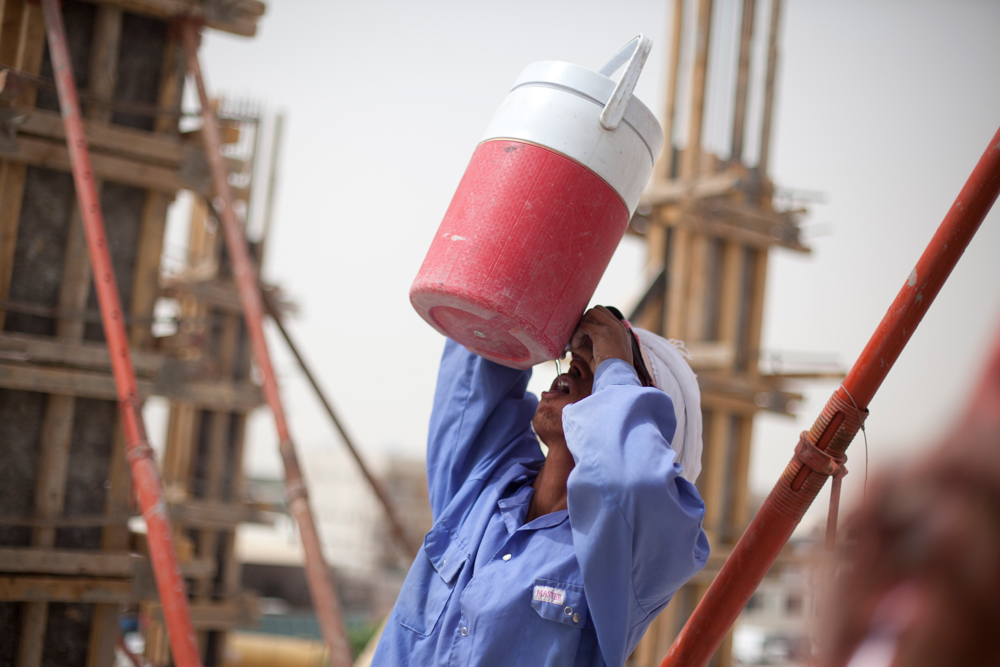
x=709, y=220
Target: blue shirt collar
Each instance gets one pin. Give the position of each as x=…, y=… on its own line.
x=514, y=509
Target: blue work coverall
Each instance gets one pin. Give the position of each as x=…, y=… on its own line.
x=576, y=587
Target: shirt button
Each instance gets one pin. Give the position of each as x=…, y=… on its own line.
x=568, y=611
x=465, y=631
x=576, y=618
x=506, y=557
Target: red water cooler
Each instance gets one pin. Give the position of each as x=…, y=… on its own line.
x=540, y=210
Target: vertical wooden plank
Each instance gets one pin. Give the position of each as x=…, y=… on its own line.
x=53, y=465
x=154, y=217
x=772, y=66
x=183, y=417
x=742, y=77
x=218, y=439
x=678, y=273
x=30, y=48
x=22, y=45
x=756, y=310
x=103, y=636
x=182, y=426
x=739, y=515
x=29, y=52
x=666, y=622
x=272, y=179
x=157, y=649
x=10, y=31
x=146, y=278
x=217, y=445
x=171, y=85
x=662, y=169
x=11, y=191
x=729, y=293
x=201, y=241
x=30, y=643
x=651, y=316
x=690, y=164
x=10, y=34
x=656, y=246
x=105, y=624
x=231, y=567
x=694, y=318
x=104, y=59
x=177, y=452
x=50, y=490
x=714, y=472
x=656, y=642
x=116, y=538
x=76, y=279
x=724, y=654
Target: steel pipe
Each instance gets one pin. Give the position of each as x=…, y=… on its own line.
x=145, y=477
x=321, y=586
x=410, y=546
x=835, y=428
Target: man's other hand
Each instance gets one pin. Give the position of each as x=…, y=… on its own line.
x=599, y=336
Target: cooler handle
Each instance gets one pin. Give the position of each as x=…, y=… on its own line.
x=635, y=52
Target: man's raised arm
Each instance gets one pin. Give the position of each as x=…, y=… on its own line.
x=481, y=416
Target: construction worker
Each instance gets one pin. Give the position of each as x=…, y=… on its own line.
x=564, y=558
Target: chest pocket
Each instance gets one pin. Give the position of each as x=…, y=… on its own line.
x=555, y=632
x=559, y=602
x=431, y=580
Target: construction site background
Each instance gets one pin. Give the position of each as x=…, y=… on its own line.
x=880, y=110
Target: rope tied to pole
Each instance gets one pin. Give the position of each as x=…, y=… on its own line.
x=836, y=428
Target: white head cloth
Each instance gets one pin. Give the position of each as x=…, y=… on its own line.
x=672, y=375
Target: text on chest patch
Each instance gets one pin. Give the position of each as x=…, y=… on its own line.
x=549, y=594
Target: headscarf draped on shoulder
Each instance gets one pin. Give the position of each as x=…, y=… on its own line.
x=672, y=375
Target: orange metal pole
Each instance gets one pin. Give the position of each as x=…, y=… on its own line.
x=144, y=474
x=321, y=584
x=411, y=547
x=836, y=426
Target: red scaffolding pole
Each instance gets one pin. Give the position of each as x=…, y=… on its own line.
x=820, y=451
x=145, y=477
x=395, y=522
x=321, y=586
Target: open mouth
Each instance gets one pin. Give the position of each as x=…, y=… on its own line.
x=560, y=385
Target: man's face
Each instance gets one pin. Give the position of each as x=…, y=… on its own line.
x=570, y=387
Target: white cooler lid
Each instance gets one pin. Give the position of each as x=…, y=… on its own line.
x=597, y=88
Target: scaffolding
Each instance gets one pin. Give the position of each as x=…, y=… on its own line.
x=709, y=221
x=72, y=556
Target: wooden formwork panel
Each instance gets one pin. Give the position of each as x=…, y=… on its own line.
x=65, y=489
x=65, y=450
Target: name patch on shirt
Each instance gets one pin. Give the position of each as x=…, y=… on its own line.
x=549, y=594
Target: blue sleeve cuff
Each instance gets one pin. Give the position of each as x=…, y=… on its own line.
x=615, y=371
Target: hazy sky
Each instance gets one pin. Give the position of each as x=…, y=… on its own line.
x=884, y=107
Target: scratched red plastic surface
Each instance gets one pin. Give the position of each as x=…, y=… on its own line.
x=519, y=253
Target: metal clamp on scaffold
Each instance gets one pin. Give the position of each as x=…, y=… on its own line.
x=819, y=461
x=296, y=490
